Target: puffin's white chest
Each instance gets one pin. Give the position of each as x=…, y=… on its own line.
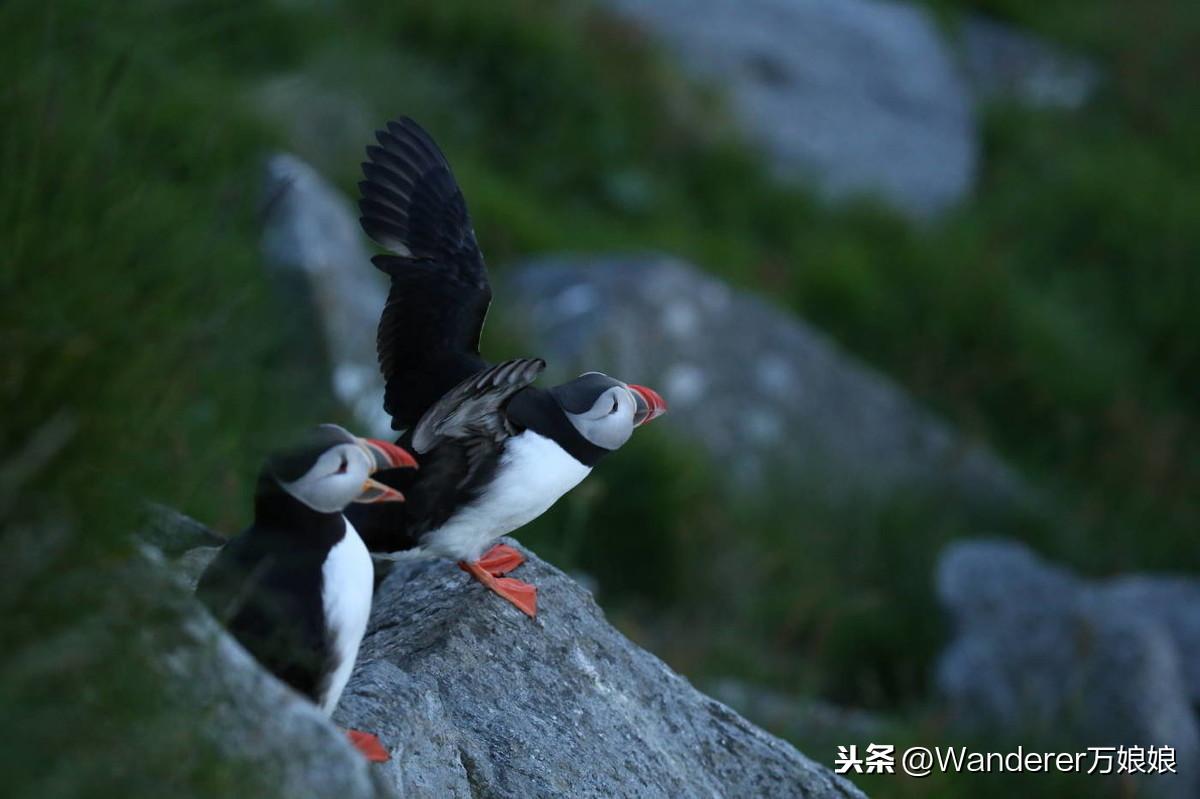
x=347, y=585
x=532, y=474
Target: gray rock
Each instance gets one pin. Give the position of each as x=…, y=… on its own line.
x=754, y=385
x=173, y=533
x=1041, y=652
x=1171, y=601
x=1002, y=62
x=475, y=699
x=311, y=232
x=191, y=564
x=863, y=96
x=803, y=719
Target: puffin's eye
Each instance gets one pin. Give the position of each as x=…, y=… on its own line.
x=614, y=407
x=343, y=466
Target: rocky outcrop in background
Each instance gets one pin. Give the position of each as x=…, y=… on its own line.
x=1041, y=654
x=472, y=698
x=851, y=95
x=743, y=376
x=861, y=96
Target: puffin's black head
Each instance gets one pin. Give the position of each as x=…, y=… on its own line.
x=331, y=468
x=604, y=410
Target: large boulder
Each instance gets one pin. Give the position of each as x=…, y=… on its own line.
x=758, y=388
x=861, y=96
x=473, y=698
x=1040, y=652
x=1171, y=602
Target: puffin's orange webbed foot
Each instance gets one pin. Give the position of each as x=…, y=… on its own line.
x=370, y=746
x=523, y=595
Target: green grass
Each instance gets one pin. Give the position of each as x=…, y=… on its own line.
x=134, y=307
x=133, y=295
x=1052, y=315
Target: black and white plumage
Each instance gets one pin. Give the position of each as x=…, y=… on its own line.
x=495, y=450
x=295, y=587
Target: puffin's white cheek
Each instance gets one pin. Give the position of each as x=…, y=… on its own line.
x=335, y=490
x=329, y=494
x=345, y=488
x=614, y=432
x=318, y=496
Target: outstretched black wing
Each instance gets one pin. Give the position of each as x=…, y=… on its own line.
x=428, y=338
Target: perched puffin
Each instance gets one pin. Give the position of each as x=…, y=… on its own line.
x=295, y=587
x=495, y=451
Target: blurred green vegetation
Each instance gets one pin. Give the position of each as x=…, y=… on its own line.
x=1053, y=315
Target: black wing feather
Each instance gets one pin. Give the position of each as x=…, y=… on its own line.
x=428, y=336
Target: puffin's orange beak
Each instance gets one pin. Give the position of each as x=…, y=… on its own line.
x=384, y=455
x=650, y=404
x=387, y=455
x=375, y=491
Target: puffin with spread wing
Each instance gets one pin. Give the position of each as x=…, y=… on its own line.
x=495, y=451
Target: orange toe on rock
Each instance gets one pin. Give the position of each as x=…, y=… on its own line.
x=523, y=595
x=370, y=746
x=501, y=559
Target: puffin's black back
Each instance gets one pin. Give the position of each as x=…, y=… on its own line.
x=265, y=587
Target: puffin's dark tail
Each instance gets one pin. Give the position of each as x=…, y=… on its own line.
x=410, y=201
